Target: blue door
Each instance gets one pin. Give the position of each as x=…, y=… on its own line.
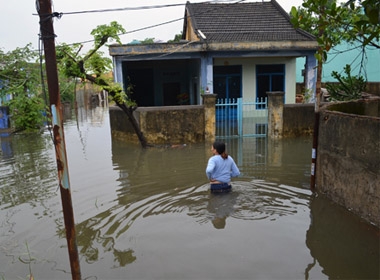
x=269, y=78
x=227, y=85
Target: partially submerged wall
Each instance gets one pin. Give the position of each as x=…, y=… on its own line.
x=348, y=156
x=289, y=120
x=161, y=125
x=298, y=119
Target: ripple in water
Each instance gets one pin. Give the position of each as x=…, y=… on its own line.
x=254, y=200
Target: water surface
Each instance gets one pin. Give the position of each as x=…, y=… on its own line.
x=148, y=214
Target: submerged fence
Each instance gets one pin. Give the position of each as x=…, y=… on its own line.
x=238, y=118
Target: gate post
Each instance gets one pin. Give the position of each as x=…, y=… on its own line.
x=275, y=113
x=209, y=101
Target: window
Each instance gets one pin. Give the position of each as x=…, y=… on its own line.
x=269, y=77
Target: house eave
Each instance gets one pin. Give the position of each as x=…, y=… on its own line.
x=263, y=46
x=196, y=46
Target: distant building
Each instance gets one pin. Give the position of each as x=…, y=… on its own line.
x=344, y=54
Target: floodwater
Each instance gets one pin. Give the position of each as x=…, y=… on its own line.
x=148, y=214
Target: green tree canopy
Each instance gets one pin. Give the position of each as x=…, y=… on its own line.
x=20, y=79
x=19, y=71
x=352, y=21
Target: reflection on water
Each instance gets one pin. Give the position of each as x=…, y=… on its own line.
x=221, y=206
x=148, y=214
x=341, y=243
x=26, y=169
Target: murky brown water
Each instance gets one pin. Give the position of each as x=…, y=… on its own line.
x=147, y=214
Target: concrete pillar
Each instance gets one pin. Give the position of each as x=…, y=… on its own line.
x=311, y=76
x=206, y=73
x=275, y=152
x=275, y=113
x=209, y=101
x=118, y=71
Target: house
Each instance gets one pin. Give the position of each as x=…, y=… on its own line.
x=239, y=50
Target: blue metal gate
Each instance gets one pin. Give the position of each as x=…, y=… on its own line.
x=235, y=118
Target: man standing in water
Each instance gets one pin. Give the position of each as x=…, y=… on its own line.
x=220, y=168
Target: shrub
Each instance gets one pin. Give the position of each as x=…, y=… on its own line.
x=347, y=88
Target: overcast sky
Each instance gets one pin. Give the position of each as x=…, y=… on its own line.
x=19, y=26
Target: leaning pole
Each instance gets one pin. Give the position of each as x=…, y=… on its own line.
x=48, y=37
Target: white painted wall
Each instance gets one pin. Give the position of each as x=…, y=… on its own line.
x=249, y=74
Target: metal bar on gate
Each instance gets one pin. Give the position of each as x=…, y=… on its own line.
x=240, y=116
x=229, y=117
x=225, y=127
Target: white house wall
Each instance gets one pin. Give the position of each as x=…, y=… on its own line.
x=249, y=74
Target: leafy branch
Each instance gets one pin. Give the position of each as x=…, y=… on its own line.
x=348, y=88
x=94, y=68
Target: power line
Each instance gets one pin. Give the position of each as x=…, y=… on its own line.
x=124, y=9
x=120, y=9
x=59, y=15
x=131, y=8
x=150, y=7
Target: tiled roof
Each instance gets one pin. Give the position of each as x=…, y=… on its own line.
x=244, y=22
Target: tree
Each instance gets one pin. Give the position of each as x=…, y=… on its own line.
x=177, y=38
x=147, y=41
x=20, y=76
x=332, y=24
x=93, y=67
x=365, y=26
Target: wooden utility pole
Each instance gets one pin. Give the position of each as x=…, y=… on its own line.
x=321, y=31
x=48, y=38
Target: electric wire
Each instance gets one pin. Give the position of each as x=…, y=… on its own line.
x=123, y=9
x=142, y=8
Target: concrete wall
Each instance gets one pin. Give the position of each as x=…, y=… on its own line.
x=348, y=156
x=298, y=119
x=167, y=125
x=196, y=123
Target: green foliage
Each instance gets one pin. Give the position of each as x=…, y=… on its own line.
x=147, y=41
x=307, y=95
x=177, y=38
x=324, y=19
x=20, y=73
x=103, y=33
x=19, y=70
x=67, y=65
x=365, y=24
x=332, y=23
x=27, y=112
x=93, y=66
x=67, y=88
x=98, y=64
x=348, y=87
